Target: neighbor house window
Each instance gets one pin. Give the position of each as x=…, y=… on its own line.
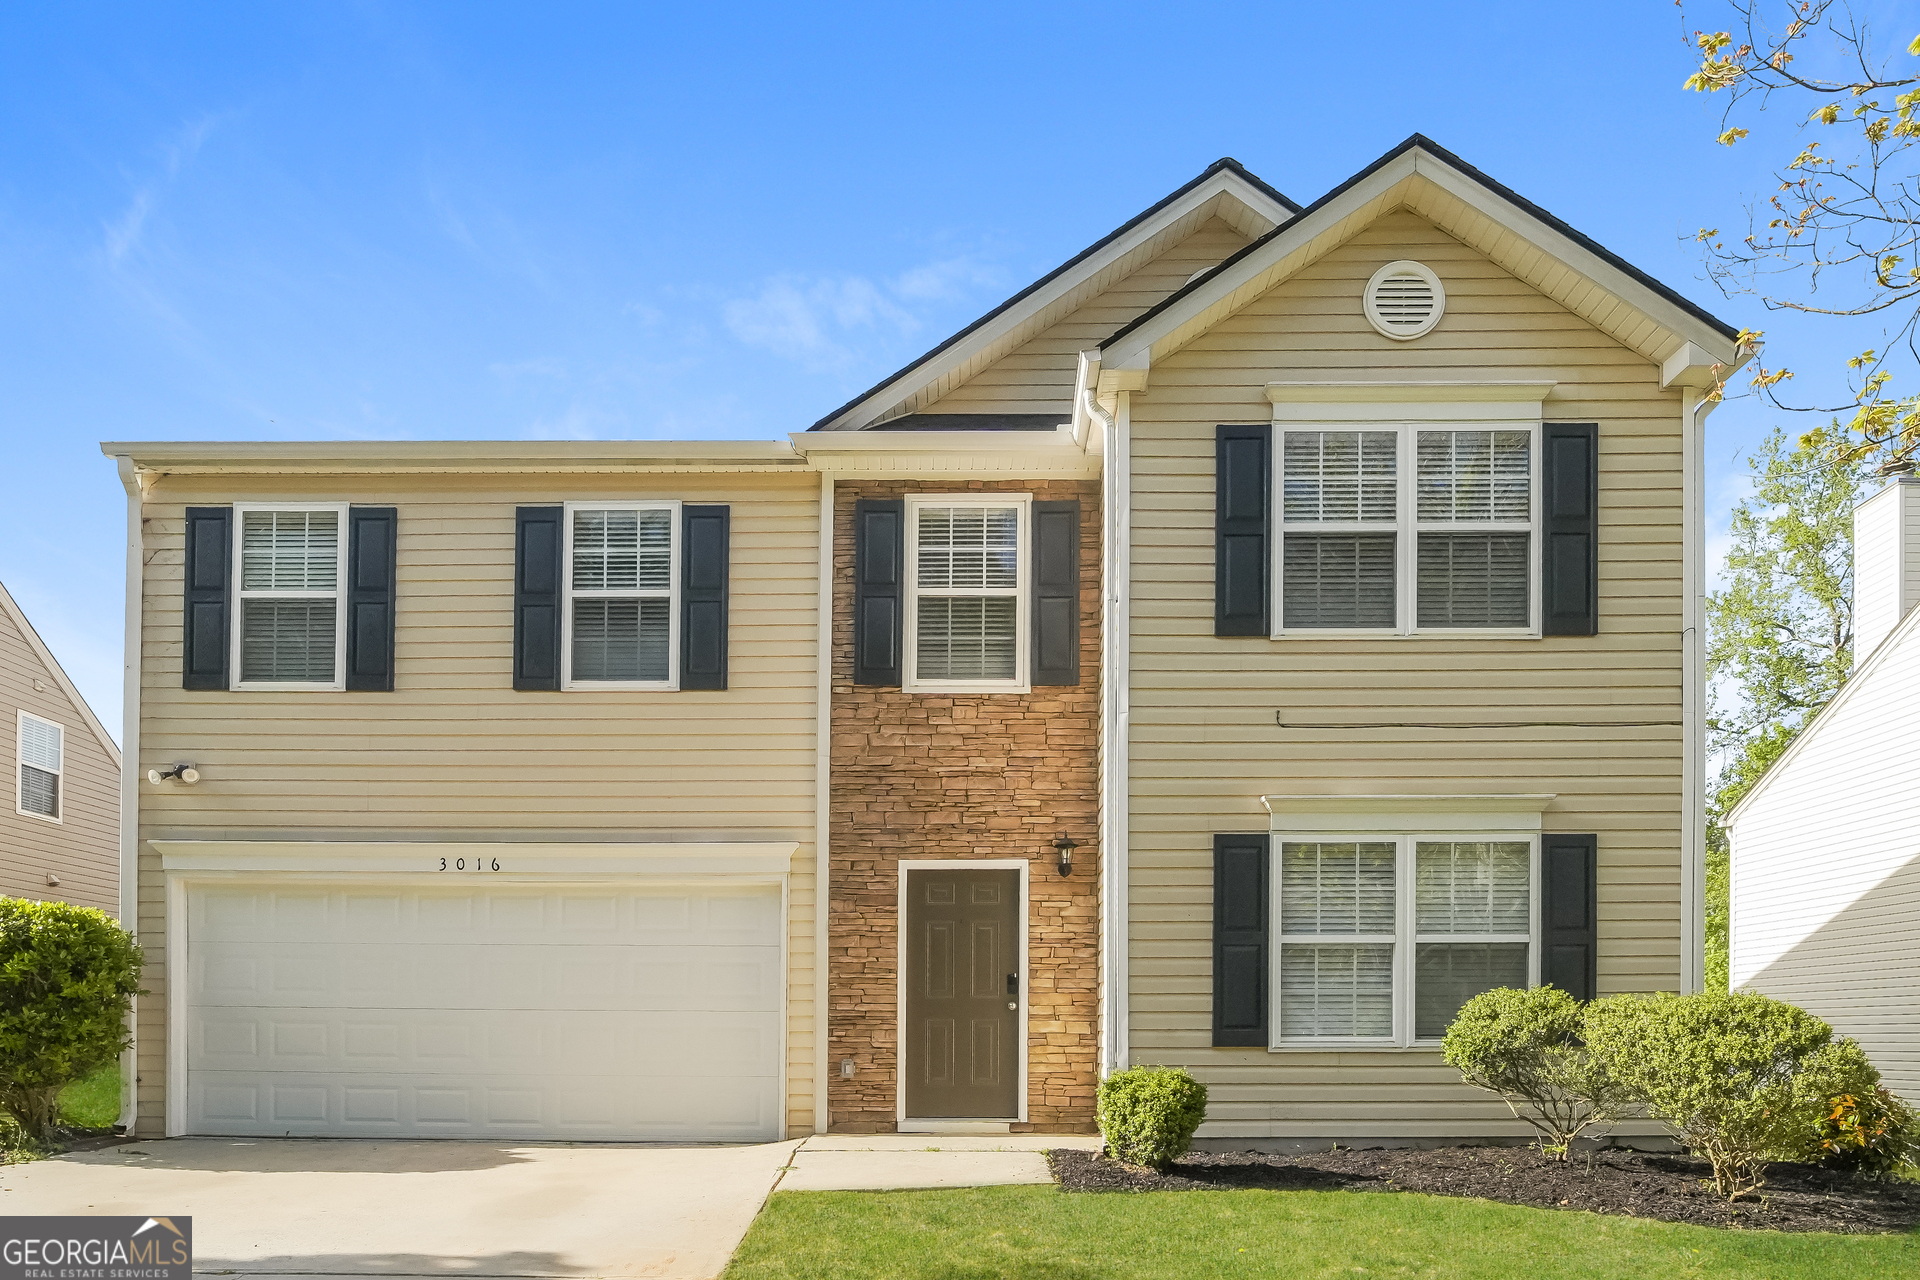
x=967, y=593
x=40, y=749
x=622, y=576
x=289, y=626
x=1405, y=530
x=1383, y=938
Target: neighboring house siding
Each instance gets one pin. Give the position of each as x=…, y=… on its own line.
x=454, y=752
x=1204, y=745
x=922, y=775
x=1826, y=869
x=83, y=848
x=1038, y=376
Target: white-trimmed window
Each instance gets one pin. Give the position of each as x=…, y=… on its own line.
x=966, y=615
x=1408, y=530
x=40, y=751
x=289, y=621
x=1383, y=937
x=622, y=580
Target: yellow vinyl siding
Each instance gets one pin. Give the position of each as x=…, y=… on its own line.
x=454, y=752
x=1037, y=377
x=83, y=848
x=1204, y=745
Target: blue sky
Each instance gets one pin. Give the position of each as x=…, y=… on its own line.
x=415, y=221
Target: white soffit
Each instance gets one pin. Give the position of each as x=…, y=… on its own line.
x=517, y=860
x=1224, y=195
x=958, y=454
x=1406, y=814
x=1547, y=259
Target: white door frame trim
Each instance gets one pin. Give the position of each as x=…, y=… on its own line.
x=179, y=881
x=900, y=984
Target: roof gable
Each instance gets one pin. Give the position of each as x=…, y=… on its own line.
x=1225, y=191
x=51, y=670
x=1515, y=234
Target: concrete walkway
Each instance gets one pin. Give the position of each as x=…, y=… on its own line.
x=895, y=1162
x=310, y=1207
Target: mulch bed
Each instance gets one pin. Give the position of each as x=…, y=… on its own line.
x=1626, y=1183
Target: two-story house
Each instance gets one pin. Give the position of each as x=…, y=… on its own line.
x=1235, y=650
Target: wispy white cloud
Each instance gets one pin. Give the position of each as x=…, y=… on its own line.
x=812, y=320
x=122, y=235
x=580, y=421
x=952, y=278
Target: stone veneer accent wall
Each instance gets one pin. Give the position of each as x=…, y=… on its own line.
x=965, y=776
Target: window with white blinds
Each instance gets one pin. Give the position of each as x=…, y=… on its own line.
x=967, y=593
x=1404, y=530
x=622, y=576
x=40, y=750
x=289, y=622
x=1361, y=961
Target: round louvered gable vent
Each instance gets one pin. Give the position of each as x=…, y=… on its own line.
x=1404, y=300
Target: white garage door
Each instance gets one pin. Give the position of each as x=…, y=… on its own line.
x=605, y=1012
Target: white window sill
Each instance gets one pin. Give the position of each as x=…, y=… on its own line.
x=289, y=686
x=55, y=819
x=619, y=686
x=996, y=687
x=1352, y=1046
x=1445, y=633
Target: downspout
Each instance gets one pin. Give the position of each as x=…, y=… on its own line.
x=1693, y=854
x=130, y=478
x=1116, y=539
x=822, y=809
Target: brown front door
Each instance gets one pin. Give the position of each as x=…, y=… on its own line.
x=962, y=1038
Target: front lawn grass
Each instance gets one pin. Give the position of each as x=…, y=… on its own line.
x=1031, y=1233
x=94, y=1102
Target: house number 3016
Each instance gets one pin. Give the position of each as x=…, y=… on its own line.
x=477, y=864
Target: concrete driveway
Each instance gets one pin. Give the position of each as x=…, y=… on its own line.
x=318, y=1207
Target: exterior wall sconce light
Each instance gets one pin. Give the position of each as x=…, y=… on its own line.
x=1066, y=845
x=185, y=772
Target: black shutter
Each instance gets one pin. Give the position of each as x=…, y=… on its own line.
x=879, y=586
x=1056, y=592
x=1569, y=875
x=1242, y=530
x=371, y=594
x=1240, y=940
x=539, y=535
x=1570, y=560
x=703, y=597
x=204, y=623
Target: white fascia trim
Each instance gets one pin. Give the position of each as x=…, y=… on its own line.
x=1221, y=286
x=517, y=859
x=880, y=440
x=1407, y=814
x=911, y=380
x=376, y=457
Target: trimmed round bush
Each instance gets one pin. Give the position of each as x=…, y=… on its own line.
x=1743, y=1080
x=1527, y=1046
x=1148, y=1114
x=68, y=976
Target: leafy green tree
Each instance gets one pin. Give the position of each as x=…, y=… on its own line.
x=1838, y=232
x=1779, y=632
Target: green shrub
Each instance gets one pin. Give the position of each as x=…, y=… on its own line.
x=68, y=976
x=1742, y=1080
x=1148, y=1114
x=1876, y=1135
x=1527, y=1047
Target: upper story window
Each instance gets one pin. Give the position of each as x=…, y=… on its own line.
x=41, y=754
x=966, y=615
x=1406, y=530
x=622, y=581
x=1383, y=938
x=289, y=629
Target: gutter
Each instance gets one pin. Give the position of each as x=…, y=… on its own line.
x=1115, y=616
x=823, y=812
x=132, y=479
